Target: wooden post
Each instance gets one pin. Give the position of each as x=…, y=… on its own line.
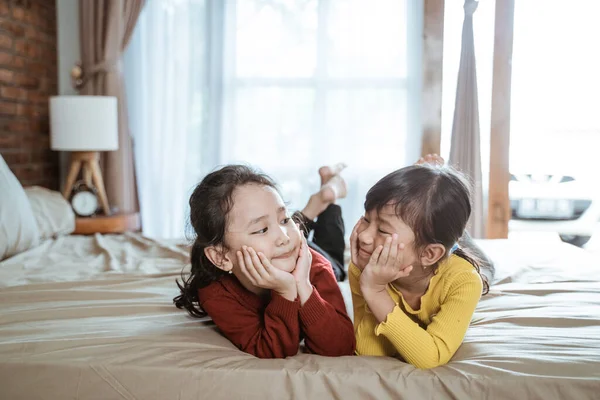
x=433, y=46
x=499, y=212
x=71, y=177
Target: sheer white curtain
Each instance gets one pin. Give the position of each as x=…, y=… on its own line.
x=164, y=66
x=286, y=86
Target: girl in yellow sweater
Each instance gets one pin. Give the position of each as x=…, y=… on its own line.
x=415, y=273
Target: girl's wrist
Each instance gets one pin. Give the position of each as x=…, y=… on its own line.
x=358, y=267
x=380, y=303
x=288, y=293
x=305, y=290
x=304, y=285
x=301, y=280
x=367, y=286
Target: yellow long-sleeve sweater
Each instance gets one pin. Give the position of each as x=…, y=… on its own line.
x=427, y=337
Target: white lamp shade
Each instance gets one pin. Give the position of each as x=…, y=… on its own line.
x=84, y=123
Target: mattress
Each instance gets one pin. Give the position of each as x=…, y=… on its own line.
x=92, y=318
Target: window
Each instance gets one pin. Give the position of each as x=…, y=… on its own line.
x=285, y=85
x=555, y=125
x=311, y=82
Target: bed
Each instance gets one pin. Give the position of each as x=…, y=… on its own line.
x=91, y=317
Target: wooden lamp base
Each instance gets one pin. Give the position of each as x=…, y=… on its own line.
x=88, y=161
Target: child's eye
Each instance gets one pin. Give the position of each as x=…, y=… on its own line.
x=263, y=230
x=285, y=221
x=385, y=233
x=366, y=220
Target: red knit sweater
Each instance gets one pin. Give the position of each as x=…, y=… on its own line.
x=273, y=327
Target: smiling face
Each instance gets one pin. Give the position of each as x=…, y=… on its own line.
x=259, y=219
x=375, y=227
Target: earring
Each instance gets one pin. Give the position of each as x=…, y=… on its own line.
x=230, y=272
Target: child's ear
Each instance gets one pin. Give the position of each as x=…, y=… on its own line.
x=219, y=257
x=432, y=254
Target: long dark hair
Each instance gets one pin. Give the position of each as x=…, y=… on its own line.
x=210, y=204
x=434, y=201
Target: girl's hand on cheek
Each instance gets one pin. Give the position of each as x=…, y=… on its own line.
x=385, y=266
x=302, y=272
x=354, y=244
x=259, y=271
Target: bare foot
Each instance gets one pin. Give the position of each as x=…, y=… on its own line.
x=329, y=171
x=334, y=189
x=432, y=159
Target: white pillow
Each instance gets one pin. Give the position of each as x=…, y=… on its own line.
x=18, y=229
x=53, y=213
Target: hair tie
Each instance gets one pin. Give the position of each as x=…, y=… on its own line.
x=454, y=248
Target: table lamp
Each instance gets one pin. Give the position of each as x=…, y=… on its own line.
x=84, y=125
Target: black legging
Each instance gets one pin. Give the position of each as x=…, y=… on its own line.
x=328, y=238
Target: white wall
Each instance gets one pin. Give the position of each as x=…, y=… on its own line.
x=67, y=30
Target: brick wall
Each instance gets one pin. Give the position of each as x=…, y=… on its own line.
x=28, y=78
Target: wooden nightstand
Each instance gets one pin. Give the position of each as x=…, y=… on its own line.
x=116, y=223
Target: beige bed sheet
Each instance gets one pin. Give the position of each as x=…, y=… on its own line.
x=92, y=318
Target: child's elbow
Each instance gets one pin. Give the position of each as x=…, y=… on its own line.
x=430, y=363
x=347, y=350
x=337, y=346
x=427, y=365
x=350, y=340
x=267, y=352
x=346, y=347
x=339, y=351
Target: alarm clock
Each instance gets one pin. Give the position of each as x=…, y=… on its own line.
x=84, y=200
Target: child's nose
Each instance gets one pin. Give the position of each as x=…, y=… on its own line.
x=283, y=237
x=365, y=237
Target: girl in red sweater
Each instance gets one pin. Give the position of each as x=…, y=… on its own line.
x=253, y=272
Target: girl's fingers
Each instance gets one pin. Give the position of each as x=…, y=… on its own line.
x=399, y=256
x=250, y=265
x=354, y=233
x=391, y=261
x=404, y=272
x=273, y=274
x=303, y=251
x=306, y=251
x=305, y=248
x=304, y=256
x=386, y=251
x=247, y=258
x=265, y=262
x=240, y=259
x=243, y=268
x=258, y=264
x=375, y=255
x=353, y=243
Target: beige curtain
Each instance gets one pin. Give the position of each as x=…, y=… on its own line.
x=465, y=146
x=105, y=29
